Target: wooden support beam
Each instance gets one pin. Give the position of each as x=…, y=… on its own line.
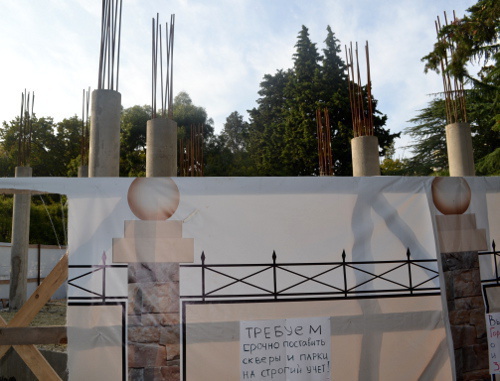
x=29, y=353
x=3, y=348
x=42, y=294
x=37, y=363
x=30, y=280
x=33, y=335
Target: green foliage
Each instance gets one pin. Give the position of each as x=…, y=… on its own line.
x=227, y=153
x=134, y=125
x=282, y=134
x=394, y=167
x=48, y=219
x=235, y=132
x=6, y=204
x=430, y=155
x=218, y=157
x=428, y=133
x=53, y=146
x=475, y=39
x=267, y=125
x=391, y=166
x=133, y=140
x=489, y=165
x=187, y=114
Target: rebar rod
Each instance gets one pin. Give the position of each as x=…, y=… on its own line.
x=454, y=92
x=153, y=77
x=166, y=67
x=362, y=119
x=369, y=92
x=84, y=142
x=25, y=130
x=171, y=64
x=109, y=50
x=118, y=46
x=161, y=76
x=30, y=129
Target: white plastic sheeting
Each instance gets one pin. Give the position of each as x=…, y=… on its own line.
x=243, y=220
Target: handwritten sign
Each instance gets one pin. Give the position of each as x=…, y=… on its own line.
x=285, y=349
x=493, y=330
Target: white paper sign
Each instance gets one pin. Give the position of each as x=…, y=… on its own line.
x=285, y=349
x=493, y=329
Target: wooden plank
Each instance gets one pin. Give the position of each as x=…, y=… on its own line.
x=42, y=294
x=33, y=358
x=30, y=280
x=33, y=335
x=3, y=348
x=37, y=363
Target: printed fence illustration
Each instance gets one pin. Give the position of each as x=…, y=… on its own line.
x=325, y=279
x=343, y=279
x=97, y=275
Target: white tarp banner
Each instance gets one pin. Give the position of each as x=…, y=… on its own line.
x=245, y=220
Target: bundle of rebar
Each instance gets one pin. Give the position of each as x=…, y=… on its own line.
x=361, y=109
x=166, y=82
x=191, y=153
x=453, y=87
x=324, y=143
x=109, y=54
x=25, y=128
x=84, y=141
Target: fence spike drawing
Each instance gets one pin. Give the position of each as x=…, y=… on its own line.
x=269, y=280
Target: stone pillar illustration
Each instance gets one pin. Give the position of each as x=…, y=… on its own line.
x=153, y=247
x=459, y=241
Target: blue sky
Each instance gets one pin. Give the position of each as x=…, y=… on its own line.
x=222, y=50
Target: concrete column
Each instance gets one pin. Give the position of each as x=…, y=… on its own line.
x=104, y=149
x=459, y=147
x=365, y=158
x=161, y=152
x=83, y=171
x=20, y=245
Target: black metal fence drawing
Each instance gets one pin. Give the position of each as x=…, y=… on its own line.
x=101, y=270
x=347, y=279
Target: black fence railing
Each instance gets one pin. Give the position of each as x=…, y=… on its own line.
x=343, y=279
x=495, y=257
x=91, y=271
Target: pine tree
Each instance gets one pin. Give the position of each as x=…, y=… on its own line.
x=299, y=155
x=267, y=125
x=283, y=128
